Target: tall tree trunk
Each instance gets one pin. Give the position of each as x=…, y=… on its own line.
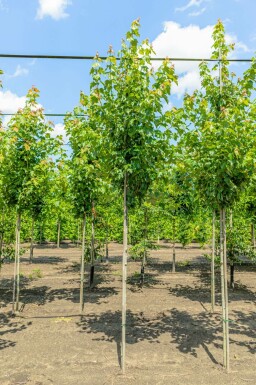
x=15, y=270
x=58, y=236
x=224, y=289
x=231, y=262
x=82, y=265
x=92, y=247
x=124, y=277
x=32, y=241
x=16, y=282
x=213, y=264
x=173, y=245
x=144, y=259
x=41, y=233
x=252, y=236
x=78, y=233
x=107, y=251
x=2, y=234
x=1, y=243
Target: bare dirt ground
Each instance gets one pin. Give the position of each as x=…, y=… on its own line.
x=172, y=338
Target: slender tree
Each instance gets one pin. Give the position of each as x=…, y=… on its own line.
x=221, y=143
x=29, y=145
x=130, y=95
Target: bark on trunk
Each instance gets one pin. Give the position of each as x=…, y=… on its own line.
x=1, y=243
x=144, y=259
x=32, y=242
x=213, y=264
x=124, y=277
x=232, y=275
x=78, y=234
x=253, y=236
x=107, y=251
x=92, y=248
x=173, y=246
x=224, y=289
x=82, y=266
x=58, y=236
x=16, y=281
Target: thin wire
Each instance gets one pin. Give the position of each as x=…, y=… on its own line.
x=74, y=57
x=14, y=113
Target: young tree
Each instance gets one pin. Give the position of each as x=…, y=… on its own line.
x=130, y=96
x=29, y=145
x=87, y=181
x=221, y=143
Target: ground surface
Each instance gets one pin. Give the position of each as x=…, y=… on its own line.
x=171, y=336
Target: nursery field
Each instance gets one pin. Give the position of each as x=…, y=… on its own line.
x=172, y=338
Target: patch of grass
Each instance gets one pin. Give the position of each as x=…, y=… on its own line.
x=36, y=273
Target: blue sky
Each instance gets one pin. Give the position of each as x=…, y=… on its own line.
x=82, y=27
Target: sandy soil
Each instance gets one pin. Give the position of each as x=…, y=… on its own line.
x=172, y=338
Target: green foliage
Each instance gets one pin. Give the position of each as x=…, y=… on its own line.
x=142, y=249
x=130, y=95
x=220, y=147
x=36, y=273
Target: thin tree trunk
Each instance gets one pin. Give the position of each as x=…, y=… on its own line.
x=92, y=248
x=224, y=289
x=17, y=256
x=253, y=236
x=15, y=269
x=107, y=251
x=231, y=262
x=2, y=235
x=41, y=233
x=58, y=236
x=1, y=243
x=82, y=266
x=144, y=259
x=213, y=264
x=78, y=233
x=124, y=278
x=32, y=241
x=173, y=246
x=232, y=275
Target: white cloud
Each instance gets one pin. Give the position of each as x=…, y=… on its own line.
x=53, y=8
x=187, y=83
x=191, y=3
x=10, y=102
x=59, y=129
x=20, y=71
x=189, y=42
x=184, y=42
x=197, y=13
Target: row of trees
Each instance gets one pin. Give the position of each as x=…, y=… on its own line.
x=185, y=165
